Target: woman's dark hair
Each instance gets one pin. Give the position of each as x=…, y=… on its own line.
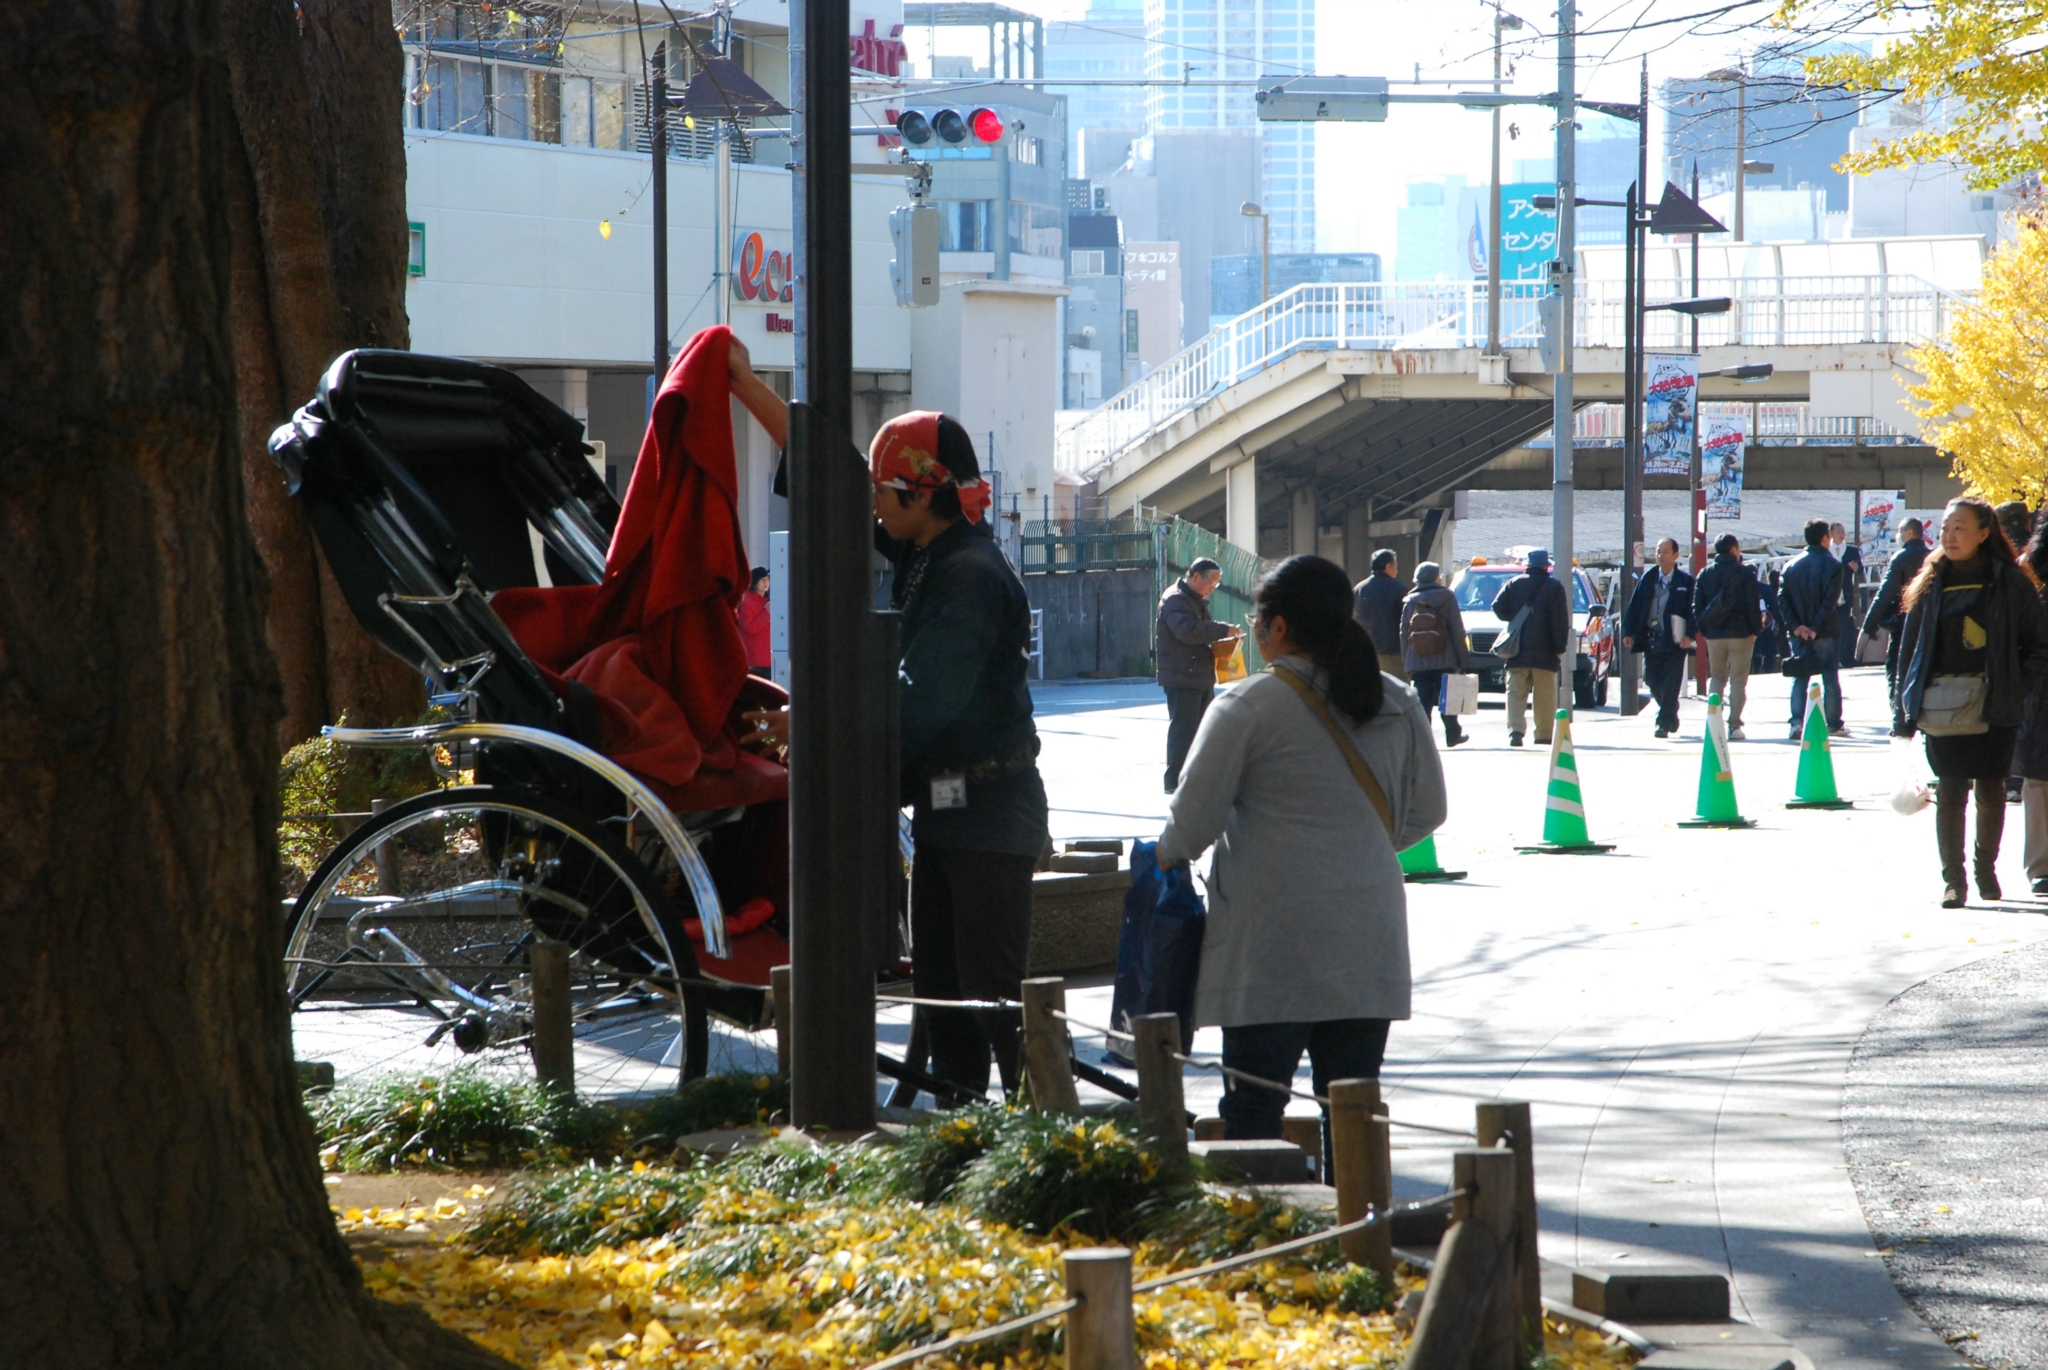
x=2034, y=560
x=756, y=576
x=1314, y=596
x=1997, y=547
x=956, y=454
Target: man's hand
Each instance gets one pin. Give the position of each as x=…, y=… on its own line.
x=1629, y=643
x=771, y=729
x=1804, y=633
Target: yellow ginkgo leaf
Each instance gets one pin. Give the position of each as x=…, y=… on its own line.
x=604, y=229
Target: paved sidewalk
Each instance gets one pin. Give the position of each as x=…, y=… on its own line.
x=1681, y=1012
x=1946, y=1102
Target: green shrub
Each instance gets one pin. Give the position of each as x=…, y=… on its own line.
x=460, y=1117
x=321, y=776
x=1365, y=1291
x=928, y=1160
x=1044, y=1172
x=736, y=1098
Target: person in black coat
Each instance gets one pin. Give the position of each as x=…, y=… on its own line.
x=1187, y=637
x=1769, y=639
x=1663, y=595
x=2030, y=749
x=1888, y=610
x=1809, y=600
x=1540, y=647
x=1376, y=603
x=1726, y=609
x=1974, y=625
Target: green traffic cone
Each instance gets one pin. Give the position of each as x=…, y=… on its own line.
x=1716, y=807
x=1418, y=863
x=1815, y=786
x=1564, y=811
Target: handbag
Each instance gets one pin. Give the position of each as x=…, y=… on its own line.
x=1229, y=660
x=1159, y=945
x=1953, y=706
x=1509, y=643
x=1461, y=695
x=1360, y=772
x=1803, y=656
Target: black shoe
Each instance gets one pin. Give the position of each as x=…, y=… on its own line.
x=1458, y=741
x=1838, y=730
x=2041, y=888
x=1663, y=732
x=1952, y=897
x=1514, y=739
x=1987, y=885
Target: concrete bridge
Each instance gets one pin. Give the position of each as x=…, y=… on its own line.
x=1356, y=410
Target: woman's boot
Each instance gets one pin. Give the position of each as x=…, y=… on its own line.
x=1990, y=830
x=1949, y=819
x=1453, y=734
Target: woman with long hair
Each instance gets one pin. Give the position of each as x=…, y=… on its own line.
x=1307, y=778
x=2030, y=753
x=1974, y=644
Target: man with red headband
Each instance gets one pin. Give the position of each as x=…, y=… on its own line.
x=970, y=748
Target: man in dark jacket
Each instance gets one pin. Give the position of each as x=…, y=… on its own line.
x=1658, y=623
x=1377, y=604
x=1887, y=611
x=1540, y=649
x=1809, y=600
x=1728, y=613
x=1187, y=661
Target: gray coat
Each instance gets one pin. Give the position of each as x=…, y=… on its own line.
x=1376, y=602
x=1455, y=656
x=1186, y=633
x=1308, y=915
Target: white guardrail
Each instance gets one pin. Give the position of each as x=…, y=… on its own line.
x=1394, y=316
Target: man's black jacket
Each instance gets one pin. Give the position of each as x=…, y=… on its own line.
x=1376, y=602
x=1810, y=595
x=1888, y=610
x=1730, y=571
x=1548, y=630
x=1635, y=619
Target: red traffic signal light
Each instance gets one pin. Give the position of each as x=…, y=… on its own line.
x=922, y=127
x=987, y=125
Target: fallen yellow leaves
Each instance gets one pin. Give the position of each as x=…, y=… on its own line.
x=753, y=1281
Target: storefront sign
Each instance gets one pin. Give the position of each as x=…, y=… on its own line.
x=762, y=274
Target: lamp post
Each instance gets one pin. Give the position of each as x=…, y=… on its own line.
x=1252, y=211
x=1502, y=21
x=1743, y=166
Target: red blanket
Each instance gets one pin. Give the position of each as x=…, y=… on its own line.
x=657, y=641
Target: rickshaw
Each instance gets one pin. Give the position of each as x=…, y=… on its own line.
x=433, y=483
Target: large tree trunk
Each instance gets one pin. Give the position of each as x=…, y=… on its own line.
x=162, y=1202
x=319, y=229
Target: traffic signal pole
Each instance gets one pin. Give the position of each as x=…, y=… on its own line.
x=1561, y=411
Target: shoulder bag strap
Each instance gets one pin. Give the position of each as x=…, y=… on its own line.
x=1360, y=772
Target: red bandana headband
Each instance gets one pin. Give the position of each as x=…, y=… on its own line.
x=905, y=456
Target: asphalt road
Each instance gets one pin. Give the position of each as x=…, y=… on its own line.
x=1681, y=1013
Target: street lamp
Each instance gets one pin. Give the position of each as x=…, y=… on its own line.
x=1740, y=79
x=1709, y=304
x=1502, y=21
x=1252, y=211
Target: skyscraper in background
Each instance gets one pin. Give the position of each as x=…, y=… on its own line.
x=1237, y=39
x=1106, y=44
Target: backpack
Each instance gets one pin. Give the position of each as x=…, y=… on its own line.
x=1725, y=609
x=1426, y=633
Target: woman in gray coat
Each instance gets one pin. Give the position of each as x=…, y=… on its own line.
x=1433, y=643
x=1307, y=939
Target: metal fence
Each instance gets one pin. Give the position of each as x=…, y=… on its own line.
x=1394, y=316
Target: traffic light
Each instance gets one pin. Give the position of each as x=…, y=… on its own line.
x=914, y=274
x=949, y=127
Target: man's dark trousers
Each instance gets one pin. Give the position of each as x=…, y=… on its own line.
x=1830, y=686
x=1338, y=1049
x=1184, y=710
x=1663, y=671
x=970, y=923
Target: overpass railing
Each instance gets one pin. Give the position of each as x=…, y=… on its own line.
x=1400, y=316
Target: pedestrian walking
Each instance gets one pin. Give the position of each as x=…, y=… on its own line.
x=754, y=626
x=2018, y=522
x=1975, y=644
x=1307, y=778
x=1433, y=644
x=1727, y=610
x=1810, y=596
x=1658, y=623
x=1187, y=638
x=1378, y=600
x=1770, y=641
x=968, y=747
x=2030, y=750
x=1538, y=613
x=1850, y=610
x=1888, y=609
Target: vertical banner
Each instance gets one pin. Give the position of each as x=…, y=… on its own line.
x=1878, y=515
x=1670, y=409
x=1722, y=445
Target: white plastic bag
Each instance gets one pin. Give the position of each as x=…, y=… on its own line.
x=1913, y=793
x=1461, y=695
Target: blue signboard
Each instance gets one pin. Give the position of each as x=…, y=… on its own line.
x=1528, y=235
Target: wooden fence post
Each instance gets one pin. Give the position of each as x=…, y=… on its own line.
x=1506, y=1123
x=1358, y=1154
x=1160, y=1100
x=554, y=1041
x=778, y=989
x=1456, y=1330
x=1047, y=1047
x=384, y=855
x=1102, y=1334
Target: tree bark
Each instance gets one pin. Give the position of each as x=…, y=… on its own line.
x=163, y=1205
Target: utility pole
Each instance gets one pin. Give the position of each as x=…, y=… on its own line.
x=657, y=142
x=1501, y=21
x=1632, y=391
x=721, y=205
x=1562, y=406
x=1741, y=152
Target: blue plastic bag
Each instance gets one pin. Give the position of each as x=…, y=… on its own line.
x=1159, y=945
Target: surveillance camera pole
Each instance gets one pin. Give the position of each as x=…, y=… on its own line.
x=1562, y=406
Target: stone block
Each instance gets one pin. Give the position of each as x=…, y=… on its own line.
x=1108, y=844
x=1720, y=1358
x=1075, y=919
x=1259, y=1162
x=1422, y=1231
x=1086, y=862
x=1651, y=1294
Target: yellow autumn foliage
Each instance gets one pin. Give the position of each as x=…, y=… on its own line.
x=758, y=1282
x=1979, y=61
x=1985, y=400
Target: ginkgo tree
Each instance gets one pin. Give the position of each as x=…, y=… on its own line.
x=1982, y=63
x=1985, y=400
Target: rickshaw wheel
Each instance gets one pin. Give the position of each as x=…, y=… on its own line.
x=408, y=951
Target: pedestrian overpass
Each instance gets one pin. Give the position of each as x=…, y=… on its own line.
x=1358, y=408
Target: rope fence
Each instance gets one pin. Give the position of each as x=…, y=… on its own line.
x=1373, y=1218
x=999, y=1330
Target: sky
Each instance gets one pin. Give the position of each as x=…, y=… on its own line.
x=1362, y=170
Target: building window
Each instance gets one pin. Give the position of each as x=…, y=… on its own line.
x=415, y=249
x=1130, y=332
x=1087, y=261
x=963, y=226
